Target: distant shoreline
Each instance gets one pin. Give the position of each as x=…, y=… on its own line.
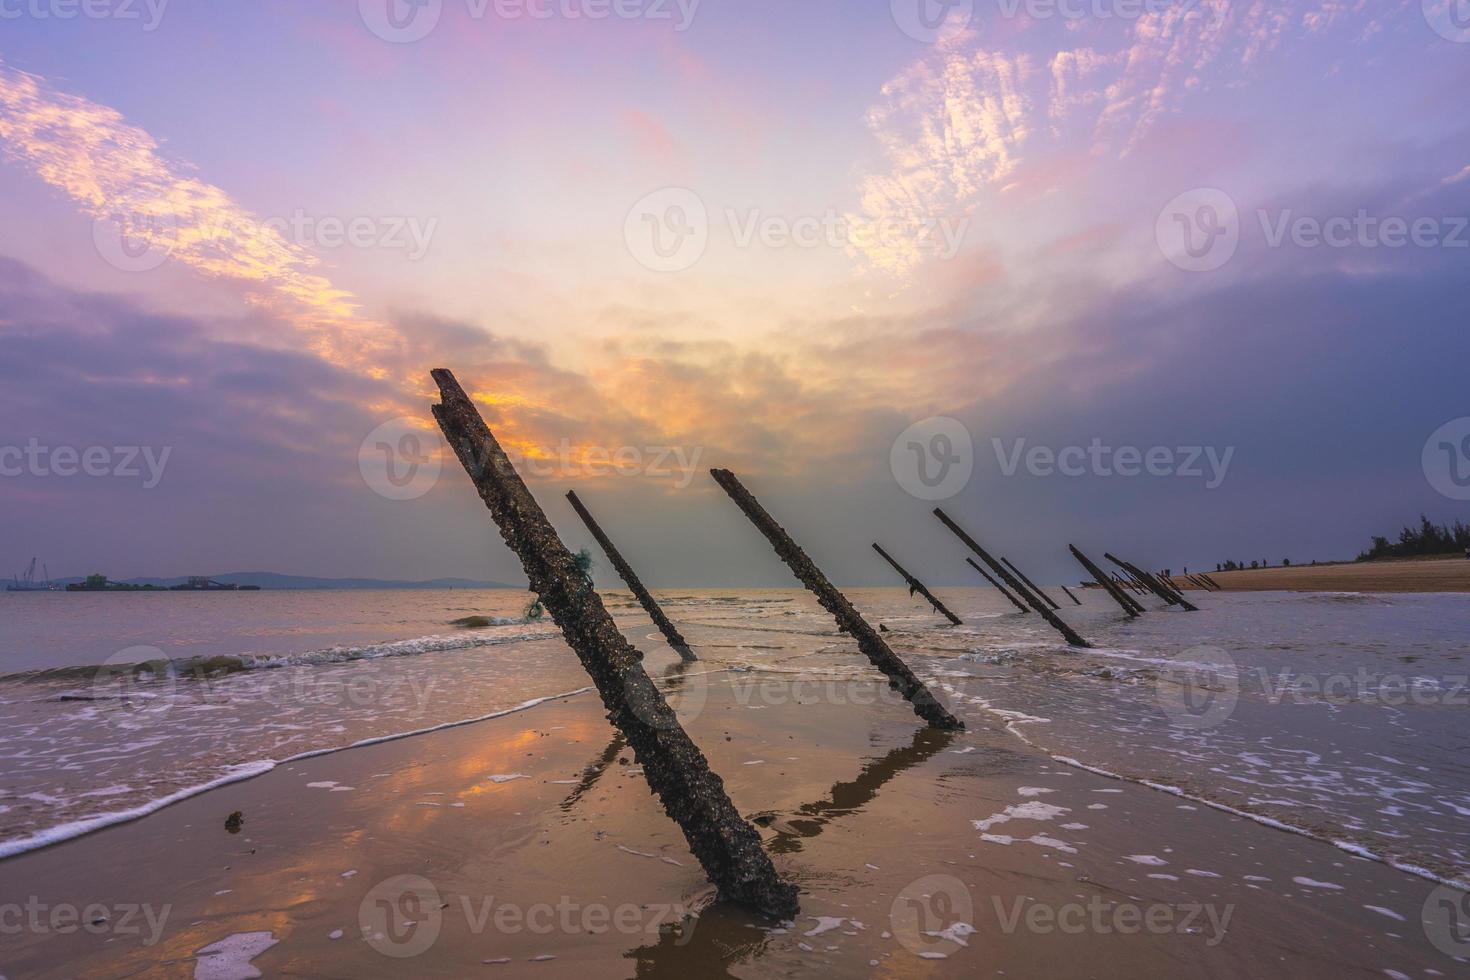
x=277, y=582
x=1434, y=573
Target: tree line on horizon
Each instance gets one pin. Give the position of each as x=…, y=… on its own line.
x=1413, y=542
x=1426, y=539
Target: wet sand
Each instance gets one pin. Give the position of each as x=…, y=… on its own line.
x=529, y=845
x=1451, y=574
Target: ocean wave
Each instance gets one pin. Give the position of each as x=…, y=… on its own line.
x=238, y=773
x=219, y=665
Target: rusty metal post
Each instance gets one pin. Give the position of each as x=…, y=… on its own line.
x=900, y=677
x=1068, y=633
x=916, y=586
x=1129, y=604
x=650, y=605
x=999, y=588
x=1030, y=584
x=726, y=845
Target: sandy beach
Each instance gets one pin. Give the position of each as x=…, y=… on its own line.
x=529, y=845
x=1450, y=573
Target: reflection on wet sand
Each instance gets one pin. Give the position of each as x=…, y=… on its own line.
x=721, y=937
x=727, y=936
x=854, y=794
x=593, y=772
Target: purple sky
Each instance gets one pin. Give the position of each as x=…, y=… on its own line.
x=764, y=236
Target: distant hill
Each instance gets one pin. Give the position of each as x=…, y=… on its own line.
x=275, y=580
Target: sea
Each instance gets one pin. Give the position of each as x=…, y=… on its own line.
x=1341, y=717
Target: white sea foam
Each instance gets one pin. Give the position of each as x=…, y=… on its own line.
x=235, y=774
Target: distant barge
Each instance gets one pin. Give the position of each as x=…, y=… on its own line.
x=196, y=583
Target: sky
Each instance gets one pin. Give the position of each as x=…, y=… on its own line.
x=1179, y=279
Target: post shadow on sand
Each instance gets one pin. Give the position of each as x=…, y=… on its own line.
x=722, y=937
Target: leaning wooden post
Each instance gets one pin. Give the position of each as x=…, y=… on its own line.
x=916, y=586
x=998, y=587
x=1217, y=585
x=650, y=606
x=1129, y=583
x=1153, y=584
x=1030, y=584
x=1129, y=604
x=1074, y=599
x=1068, y=633
x=726, y=845
x=900, y=677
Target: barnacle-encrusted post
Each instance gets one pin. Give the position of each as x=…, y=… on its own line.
x=900, y=677
x=999, y=588
x=650, y=605
x=1153, y=584
x=1068, y=633
x=916, y=586
x=1130, y=605
x=725, y=844
x=1030, y=584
